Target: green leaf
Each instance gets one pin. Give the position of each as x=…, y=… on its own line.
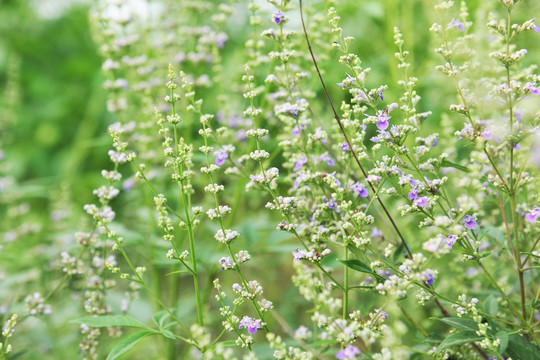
x=461, y=324
x=360, y=266
x=320, y=343
x=459, y=338
x=168, y=334
x=127, y=344
x=491, y=306
x=447, y=163
x=521, y=348
x=112, y=320
x=503, y=338
x=400, y=250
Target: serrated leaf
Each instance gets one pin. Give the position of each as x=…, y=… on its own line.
x=461, y=324
x=112, y=320
x=127, y=344
x=459, y=338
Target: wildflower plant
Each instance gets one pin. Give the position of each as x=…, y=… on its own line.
x=269, y=197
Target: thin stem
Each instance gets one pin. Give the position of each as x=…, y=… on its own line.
x=338, y=120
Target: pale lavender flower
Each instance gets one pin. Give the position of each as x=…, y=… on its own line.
x=457, y=24
x=421, y=201
x=487, y=134
x=278, y=17
x=359, y=190
x=252, y=325
x=413, y=194
x=221, y=155
x=451, y=239
x=328, y=159
x=349, y=352
x=300, y=162
x=226, y=263
x=344, y=147
x=533, y=89
x=532, y=215
x=382, y=120
x=469, y=221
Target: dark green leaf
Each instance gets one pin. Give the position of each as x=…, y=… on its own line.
x=461, y=324
x=127, y=344
x=521, y=348
x=459, y=338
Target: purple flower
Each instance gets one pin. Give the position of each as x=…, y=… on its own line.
x=359, y=190
x=451, y=239
x=469, y=221
x=375, y=139
x=413, y=194
x=344, y=147
x=328, y=159
x=332, y=204
x=298, y=255
x=349, y=352
x=533, y=89
x=225, y=263
x=532, y=215
x=535, y=28
x=300, y=162
x=435, y=142
x=421, y=201
x=221, y=155
x=487, y=134
x=457, y=24
x=278, y=17
x=376, y=233
x=250, y=324
x=382, y=122
x=381, y=95
x=296, y=131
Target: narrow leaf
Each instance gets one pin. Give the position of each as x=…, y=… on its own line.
x=360, y=266
x=127, y=344
x=459, y=338
x=168, y=334
x=446, y=163
x=112, y=320
x=461, y=324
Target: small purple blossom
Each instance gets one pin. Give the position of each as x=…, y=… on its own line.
x=327, y=158
x=421, y=201
x=413, y=194
x=457, y=24
x=532, y=215
x=298, y=254
x=380, y=315
x=296, y=131
x=487, y=134
x=221, y=155
x=250, y=324
x=300, y=162
x=376, y=233
x=278, y=17
x=344, y=147
x=381, y=95
x=435, y=142
x=382, y=120
x=375, y=139
x=469, y=221
x=332, y=204
x=533, y=89
x=359, y=190
x=349, y=352
x=451, y=239
x=225, y=263
x=535, y=28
